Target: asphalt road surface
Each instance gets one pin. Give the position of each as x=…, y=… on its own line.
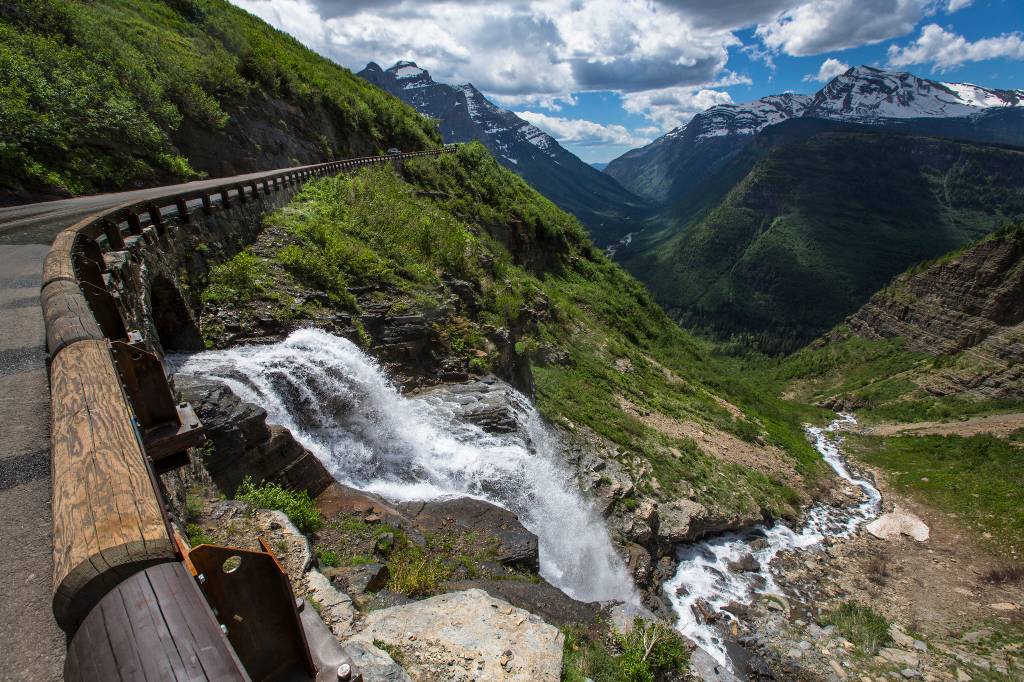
x=31, y=645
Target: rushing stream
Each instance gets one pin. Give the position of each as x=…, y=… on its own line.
x=336, y=401
x=339, y=404
x=704, y=575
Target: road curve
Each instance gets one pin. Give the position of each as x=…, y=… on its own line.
x=39, y=223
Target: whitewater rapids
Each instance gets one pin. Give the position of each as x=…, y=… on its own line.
x=704, y=576
x=338, y=403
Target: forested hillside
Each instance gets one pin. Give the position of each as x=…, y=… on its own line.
x=804, y=225
x=111, y=94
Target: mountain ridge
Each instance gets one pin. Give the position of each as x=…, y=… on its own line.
x=668, y=166
x=465, y=114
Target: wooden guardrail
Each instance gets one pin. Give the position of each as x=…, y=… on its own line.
x=113, y=417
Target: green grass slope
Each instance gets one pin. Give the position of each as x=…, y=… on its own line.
x=942, y=341
x=589, y=333
x=792, y=236
x=114, y=93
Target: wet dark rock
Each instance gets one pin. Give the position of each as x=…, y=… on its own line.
x=736, y=609
x=245, y=445
x=745, y=564
x=488, y=403
x=540, y=598
x=517, y=547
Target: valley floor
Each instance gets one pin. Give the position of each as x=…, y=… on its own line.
x=995, y=424
x=870, y=609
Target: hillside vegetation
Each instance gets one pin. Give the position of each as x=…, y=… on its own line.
x=798, y=231
x=584, y=334
x=943, y=340
x=109, y=94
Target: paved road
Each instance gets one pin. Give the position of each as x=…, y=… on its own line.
x=40, y=223
x=31, y=645
x=31, y=642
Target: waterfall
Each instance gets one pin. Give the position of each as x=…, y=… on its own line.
x=704, y=575
x=338, y=403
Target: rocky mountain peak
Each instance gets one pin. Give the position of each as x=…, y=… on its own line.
x=865, y=93
x=742, y=119
x=465, y=114
x=410, y=75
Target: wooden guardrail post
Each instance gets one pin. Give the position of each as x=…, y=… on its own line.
x=107, y=520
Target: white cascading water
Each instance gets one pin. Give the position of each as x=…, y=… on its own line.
x=339, y=404
x=704, y=575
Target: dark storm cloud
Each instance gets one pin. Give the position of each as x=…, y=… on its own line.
x=630, y=75
x=728, y=14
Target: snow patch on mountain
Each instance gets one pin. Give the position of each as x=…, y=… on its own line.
x=406, y=70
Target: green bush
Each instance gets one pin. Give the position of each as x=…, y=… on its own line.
x=237, y=281
x=297, y=505
x=327, y=557
x=648, y=652
x=197, y=535
x=861, y=625
x=414, y=573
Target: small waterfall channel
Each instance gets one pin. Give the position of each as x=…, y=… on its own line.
x=340, y=405
x=704, y=576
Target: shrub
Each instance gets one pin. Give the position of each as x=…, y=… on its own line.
x=327, y=557
x=860, y=624
x=238, y=280
x=414, y=573
x=297, y=505
x=648, y=652
x=197, y=535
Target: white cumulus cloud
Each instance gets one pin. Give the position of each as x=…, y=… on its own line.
x=830, y=68
x=820, y=26
x=672, y=107
x=945, y=50
x=582, y=132
x=957, y=5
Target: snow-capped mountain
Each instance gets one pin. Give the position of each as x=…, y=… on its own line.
x=863, y=95
x=743, y=119
x=465, y=115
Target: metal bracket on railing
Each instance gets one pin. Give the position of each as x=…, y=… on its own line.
x=168, y=428
x=253, y=600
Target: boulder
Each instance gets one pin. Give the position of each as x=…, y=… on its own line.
x=540, y=598
x=704, y=667
x=245, y=444
x=896, y=523
x=374, y=665
x=467, y=635
x=334, y=607
x=681, y=521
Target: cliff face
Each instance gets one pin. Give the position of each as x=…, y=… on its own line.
x=969, y=304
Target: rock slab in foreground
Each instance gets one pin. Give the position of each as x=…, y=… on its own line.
x=468, y=635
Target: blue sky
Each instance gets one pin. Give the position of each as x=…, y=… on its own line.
x=604, y=76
